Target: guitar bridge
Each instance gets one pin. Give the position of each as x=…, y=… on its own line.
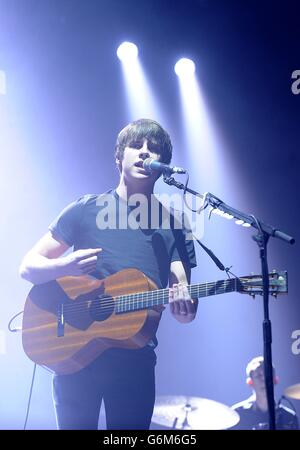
x=60, y=321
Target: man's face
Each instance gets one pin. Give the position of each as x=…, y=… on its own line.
x=258, y=377
x=134, y=155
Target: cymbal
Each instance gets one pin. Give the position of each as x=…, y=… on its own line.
x=293, y=391
x=195, y=413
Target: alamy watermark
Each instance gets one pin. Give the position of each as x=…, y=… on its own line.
x=296, y=344
x=296, y=84
x=159, y=211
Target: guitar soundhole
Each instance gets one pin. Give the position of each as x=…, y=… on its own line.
x=101, y=308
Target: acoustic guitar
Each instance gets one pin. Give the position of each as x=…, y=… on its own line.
x=68, y=322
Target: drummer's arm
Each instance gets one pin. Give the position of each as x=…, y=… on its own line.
x=182, y=306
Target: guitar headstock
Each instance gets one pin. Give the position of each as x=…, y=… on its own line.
x=252, y=284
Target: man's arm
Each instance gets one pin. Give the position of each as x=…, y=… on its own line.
x=182, y=306
x=43, y=263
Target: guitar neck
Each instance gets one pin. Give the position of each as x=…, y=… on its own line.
x=148, y=299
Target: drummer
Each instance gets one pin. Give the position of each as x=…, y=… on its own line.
x=253, y=412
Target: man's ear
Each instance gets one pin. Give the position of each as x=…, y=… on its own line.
x=249, y=381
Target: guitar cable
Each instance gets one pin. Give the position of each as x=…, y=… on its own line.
x=30, y=394
x=14, y=330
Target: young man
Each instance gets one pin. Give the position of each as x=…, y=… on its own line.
x=124, y=378
x=253, y=412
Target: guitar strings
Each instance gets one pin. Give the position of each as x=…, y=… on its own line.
x=134, y=299
x=122, y=303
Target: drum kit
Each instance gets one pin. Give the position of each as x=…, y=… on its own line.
x=196, y=413
x=193, y=413
x=293, y=391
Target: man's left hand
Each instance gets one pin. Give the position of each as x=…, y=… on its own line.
x=183, y=307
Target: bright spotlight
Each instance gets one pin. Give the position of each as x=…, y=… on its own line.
x=127, y=51
x=184, y=67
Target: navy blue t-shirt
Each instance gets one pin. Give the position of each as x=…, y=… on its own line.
x=150, y=250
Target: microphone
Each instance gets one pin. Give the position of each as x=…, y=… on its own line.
x=151, y=164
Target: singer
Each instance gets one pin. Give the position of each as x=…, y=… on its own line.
x=123, y=378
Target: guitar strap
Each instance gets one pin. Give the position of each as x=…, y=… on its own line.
x=213, y=257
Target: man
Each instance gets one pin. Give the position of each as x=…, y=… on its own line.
x=123, y=378
x=253, y=412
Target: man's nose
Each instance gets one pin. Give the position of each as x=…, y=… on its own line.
x=144, y=152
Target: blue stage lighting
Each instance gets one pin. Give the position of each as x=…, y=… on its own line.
x=184, y=67
x=127, y=51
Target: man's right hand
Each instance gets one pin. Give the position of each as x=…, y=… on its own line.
x=44, y=262
x=80, y=262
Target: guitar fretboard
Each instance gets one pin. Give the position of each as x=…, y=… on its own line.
x=144, y=300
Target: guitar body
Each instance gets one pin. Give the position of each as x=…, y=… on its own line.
x=85, y=333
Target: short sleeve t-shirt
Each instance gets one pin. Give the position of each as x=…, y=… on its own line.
x=251, y=418
x=101, y=221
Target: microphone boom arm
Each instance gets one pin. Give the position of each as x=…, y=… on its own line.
x=218, y=204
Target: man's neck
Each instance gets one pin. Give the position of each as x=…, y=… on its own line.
x=125, y=189
x=261, y=402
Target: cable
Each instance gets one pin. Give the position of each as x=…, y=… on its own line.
x=14, y=330
x=257, y=222
x=199, y=210
x=29, y=399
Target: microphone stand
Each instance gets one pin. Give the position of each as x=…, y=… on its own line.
x=261, y=238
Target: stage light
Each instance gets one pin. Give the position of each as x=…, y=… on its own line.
x=184, y=67
x=127, y=51
x=141, y=101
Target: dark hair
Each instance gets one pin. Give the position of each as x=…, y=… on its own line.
x=145, y=129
